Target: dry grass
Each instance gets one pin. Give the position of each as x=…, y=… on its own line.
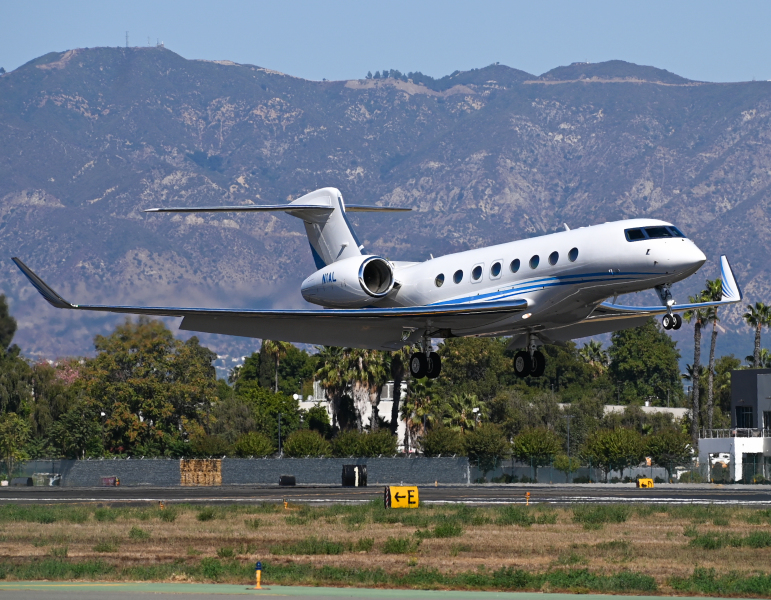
x=649, y=540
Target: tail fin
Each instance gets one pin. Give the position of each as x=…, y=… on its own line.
x=329, y=232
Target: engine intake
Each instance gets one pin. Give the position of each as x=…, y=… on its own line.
x=376, y=277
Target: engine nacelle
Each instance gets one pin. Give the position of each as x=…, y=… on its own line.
x=350, y=283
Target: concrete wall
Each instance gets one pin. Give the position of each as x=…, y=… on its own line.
x=244, y=471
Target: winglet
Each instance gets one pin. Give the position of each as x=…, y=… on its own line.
x=731, y=290
x=51, y=296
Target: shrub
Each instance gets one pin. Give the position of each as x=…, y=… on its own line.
x=206, y=514
x=209, y=445
x=105, y=514
x=211, y=568
x=253, y=444
x=442, y=441
x=252, y=523
x=364, y=545
x=309, y=546
x=138, y=534
x=347, y=443
x=448, y=529
x=516, y=515
x=400, y=545
x=106, y=546
x=354, y=443
x=537, y=446
x=595, y=516
x=226, y=552
x=168, y=515
x=306, y=442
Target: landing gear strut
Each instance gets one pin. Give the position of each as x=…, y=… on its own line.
x=669, y=320
x=425, y=363
x=530, y=362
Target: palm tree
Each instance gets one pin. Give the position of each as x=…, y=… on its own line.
x=712, y=292
x=278, y=351
x=765, y=359
x=419, y=409
x=459, y=413
x=698, y=317
x=757, y=316
x=593, y=354
x=367, y=372
x=398, y=359
x=331, y=366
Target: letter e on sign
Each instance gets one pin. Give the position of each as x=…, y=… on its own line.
x=401, y=496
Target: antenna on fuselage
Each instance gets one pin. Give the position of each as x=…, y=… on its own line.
x=566, y=227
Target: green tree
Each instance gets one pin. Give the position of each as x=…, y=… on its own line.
x=317, y=419
x=698, y=316
x=277, y=350
x=486, y=445
x=7, y=324
x=348, y=443
x=149, y=385
x=15, y=384
x=477, y=366
x=266, y=406
x=723, y=367
x=566, y=464
x=441, y=441
x=764, y=361
x=757, y=317
x=611, y=449
x=77, y=433
x=253, y=444
x=593, y=354
x=379, y=443
x=232, y=418
x=536, y=446
x=668, y=447
x=14, y=433
x=306, y=443
x=644, y=363
x=463, y=412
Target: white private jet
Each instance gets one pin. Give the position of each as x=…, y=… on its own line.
x=546, y=289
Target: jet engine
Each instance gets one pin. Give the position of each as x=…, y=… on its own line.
x=350, y=283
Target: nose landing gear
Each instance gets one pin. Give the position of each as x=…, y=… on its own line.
x=674, y=321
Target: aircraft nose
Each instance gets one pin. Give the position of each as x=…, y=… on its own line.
x=692, y=258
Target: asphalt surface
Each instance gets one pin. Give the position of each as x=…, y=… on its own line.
x=745, y=495
x=182, y=591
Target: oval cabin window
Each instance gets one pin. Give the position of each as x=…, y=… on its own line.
x=534, y=261
x=514, y=266
x=458, y=277
x=439, y=280
x=553, y=258
x=573, y=255
x=495, y=270
x=476, y=274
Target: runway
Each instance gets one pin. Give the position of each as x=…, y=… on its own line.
x=744, y=495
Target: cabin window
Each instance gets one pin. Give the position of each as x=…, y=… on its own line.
x=458, y=277
x=573, y=255
x=439, y=280
x=634, y=235
x=658, y=232
x=534, y=261
x=553, y=258
x=476, y=273
x=495, y=270
x=514, y=266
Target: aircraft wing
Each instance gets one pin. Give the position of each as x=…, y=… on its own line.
x=379, y=328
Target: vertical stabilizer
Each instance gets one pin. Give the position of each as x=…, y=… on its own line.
x=329, y=233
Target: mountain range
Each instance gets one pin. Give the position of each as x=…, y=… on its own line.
x=90, y=137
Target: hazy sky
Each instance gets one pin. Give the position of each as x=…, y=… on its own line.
x=706, y=40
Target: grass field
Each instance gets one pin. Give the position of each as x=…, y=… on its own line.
x=705, y=550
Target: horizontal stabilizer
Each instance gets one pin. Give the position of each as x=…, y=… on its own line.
x=277, y=208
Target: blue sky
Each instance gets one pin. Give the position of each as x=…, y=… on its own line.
x=707, y=40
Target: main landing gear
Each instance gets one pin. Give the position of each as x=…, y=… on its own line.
x=674, y=321
x=425, y=363
x=530, y=362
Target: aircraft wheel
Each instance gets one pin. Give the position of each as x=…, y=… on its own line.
x=434, y=365
x=667, y=322
x=418, y=365
x=678, y=321
x=539, y=364
x=522, y=364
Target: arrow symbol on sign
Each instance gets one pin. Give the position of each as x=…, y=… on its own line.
x=397, y=497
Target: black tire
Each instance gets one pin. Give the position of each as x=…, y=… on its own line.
x=522, y=364
x=434, y=365
x=539, y=364
x=418, y=365
x=667, y=322
x=678, y=322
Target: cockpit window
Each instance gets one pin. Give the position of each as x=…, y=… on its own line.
x=634, y=234
x=658, y=232
x=677, y=232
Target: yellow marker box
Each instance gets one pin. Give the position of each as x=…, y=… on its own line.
x=401, y=496
x=645, y=482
